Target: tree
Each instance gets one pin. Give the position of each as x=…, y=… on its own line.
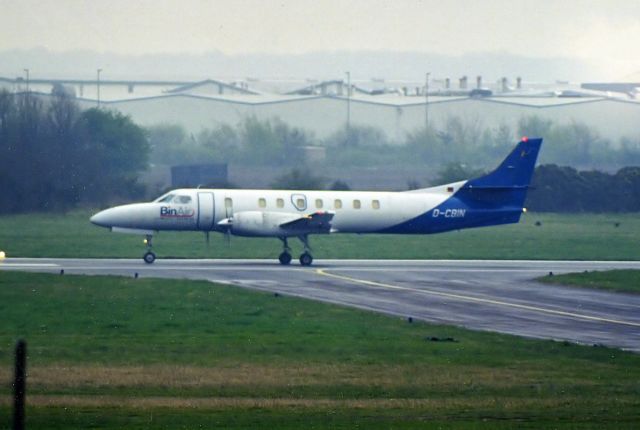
x=53, y=156
x=339, y=185
x=119, y=151
x=357, y=136
x=454, y=172
x=296, y=179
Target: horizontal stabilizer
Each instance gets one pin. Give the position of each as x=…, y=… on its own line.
x=498, y=187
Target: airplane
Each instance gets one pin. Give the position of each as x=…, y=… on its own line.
x=493, y=199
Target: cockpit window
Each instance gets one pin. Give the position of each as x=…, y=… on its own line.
x=182, y=200
x=165, y=199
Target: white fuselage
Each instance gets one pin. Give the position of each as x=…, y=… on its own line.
x=205, y=209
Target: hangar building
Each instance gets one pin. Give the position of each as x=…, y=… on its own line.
x=396, y=107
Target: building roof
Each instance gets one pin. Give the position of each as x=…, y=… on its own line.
x=207, y=84
x=534, y=95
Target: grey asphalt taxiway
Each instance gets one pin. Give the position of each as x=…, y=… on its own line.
x=496, y=296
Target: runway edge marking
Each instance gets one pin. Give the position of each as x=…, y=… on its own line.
x=474, y=299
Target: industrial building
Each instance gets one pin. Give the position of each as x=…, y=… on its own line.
x=322, y=107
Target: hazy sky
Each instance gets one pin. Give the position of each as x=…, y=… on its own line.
x=593, y=30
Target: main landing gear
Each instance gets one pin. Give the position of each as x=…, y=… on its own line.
x=149, y=257
x=305, y=258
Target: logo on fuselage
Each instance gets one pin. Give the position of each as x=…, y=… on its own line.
x=180, y=212
x=449, y=213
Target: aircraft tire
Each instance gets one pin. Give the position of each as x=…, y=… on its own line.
x=149, y=257
x=306, y=259
x=285, y=258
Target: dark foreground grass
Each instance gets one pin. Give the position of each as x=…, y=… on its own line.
x=109, y=352
x=538, y=236
x=625, y=281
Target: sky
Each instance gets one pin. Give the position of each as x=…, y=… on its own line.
x=596, y=31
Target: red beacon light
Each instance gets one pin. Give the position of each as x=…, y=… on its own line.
x=524, y=139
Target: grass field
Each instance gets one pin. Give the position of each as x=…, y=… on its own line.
x=626, y=281
x=572, y=237
x=108, y=352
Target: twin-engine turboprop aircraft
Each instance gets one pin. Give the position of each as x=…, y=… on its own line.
x=495, y=198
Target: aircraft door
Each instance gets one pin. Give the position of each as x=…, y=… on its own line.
x=206, y=213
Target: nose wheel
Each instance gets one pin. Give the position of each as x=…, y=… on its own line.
x=149, y=257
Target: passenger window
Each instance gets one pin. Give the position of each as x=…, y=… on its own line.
x=337, y=204
x=228, y=203
x=356, y=204
x=280, y=203
x=262, y=202
x=300, y=203
x=318, y=203
x=375, y=204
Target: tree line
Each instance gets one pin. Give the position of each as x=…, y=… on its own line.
x=54, y=156
x=275, y=143
x=565, y=189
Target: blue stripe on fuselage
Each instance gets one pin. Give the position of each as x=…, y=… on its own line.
x=456, y=214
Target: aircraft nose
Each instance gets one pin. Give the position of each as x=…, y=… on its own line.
x=137, y=215
x=103, y=218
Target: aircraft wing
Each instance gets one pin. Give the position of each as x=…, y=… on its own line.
x=317, y=222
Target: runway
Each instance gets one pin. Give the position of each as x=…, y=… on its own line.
x=495, y=296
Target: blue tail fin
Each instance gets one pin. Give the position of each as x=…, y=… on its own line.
x=493, y=199
x=507, y=185
x=516, y=170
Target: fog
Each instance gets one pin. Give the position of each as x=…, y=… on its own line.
x=572, y=39
x=315, y=65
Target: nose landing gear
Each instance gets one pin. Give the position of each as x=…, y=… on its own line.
x=149, y=257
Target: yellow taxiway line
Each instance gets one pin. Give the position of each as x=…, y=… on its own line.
x=475, y=299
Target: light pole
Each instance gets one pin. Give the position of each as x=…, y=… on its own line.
x=426, y=102
x=27, y=73
x=98, y=85
x=348, y=106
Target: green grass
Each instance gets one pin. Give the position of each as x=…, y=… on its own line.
x=626, y=281
x=571, y=237
x=107, y=352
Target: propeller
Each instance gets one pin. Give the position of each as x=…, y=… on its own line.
x=227, y=224
x=227, y=233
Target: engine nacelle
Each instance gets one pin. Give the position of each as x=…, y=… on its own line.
x=255, y=223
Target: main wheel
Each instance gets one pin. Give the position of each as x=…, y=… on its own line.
x=306, y=259
x=285, y=258
x=149, y=257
